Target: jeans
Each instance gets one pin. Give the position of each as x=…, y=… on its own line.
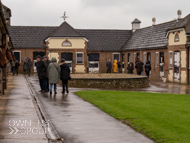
x=119, y=70
x=55, y=87
x=43, y=84
x=13, y=70
x=64, y=84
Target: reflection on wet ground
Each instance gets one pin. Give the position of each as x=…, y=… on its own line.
x=78, y=121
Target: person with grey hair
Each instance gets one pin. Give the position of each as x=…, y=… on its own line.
x=53, y=75
x=109, y=66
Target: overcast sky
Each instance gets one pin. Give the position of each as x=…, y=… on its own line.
x=94, y=14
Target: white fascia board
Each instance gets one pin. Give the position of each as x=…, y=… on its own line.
x=181, y=29
x=66, y=38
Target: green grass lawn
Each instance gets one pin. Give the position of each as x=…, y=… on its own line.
x=161, y=117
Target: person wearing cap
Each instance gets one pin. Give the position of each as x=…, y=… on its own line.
x=64, y=75
x=42, y=74
x=47, y=61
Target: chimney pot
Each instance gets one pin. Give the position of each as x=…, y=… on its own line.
x=153, y=21
x=179, y=12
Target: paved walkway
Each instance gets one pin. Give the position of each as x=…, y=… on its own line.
x=18, y=118
x=78, y=121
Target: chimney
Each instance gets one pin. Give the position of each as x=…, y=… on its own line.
x=179, y=12
x=136, y=24
x=153, y=21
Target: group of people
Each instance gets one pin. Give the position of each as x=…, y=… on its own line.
x=116, y=66
x=49, y=73
x=139, y=65
x=14, y=67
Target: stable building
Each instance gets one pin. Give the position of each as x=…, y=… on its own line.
x=165, y=45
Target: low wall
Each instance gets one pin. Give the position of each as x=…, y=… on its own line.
x=110, y=83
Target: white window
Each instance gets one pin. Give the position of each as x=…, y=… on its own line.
x=134, y=58
x=156, y=59
x=17, y=55
x=116, y=56
x=145, y=58
x=80, y=58
x=66, y=43
x=170, y=59
x=176, y=37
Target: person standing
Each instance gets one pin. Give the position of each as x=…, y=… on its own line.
x=42, y=74
x=25, y=65
x=147, y=68
x=29, y=66
x=47, y=61
x=17, y=64
x=13, y=67
x=130, y=68
x=119, y=66
x=64, y=75
x=108, y=66
x=139, y=67
x=115, y=67
x=53, y=75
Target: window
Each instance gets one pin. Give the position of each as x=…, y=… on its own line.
x=161, y=57
x=67, y=56
x=134, y=58
x=129, y=58
x=138, y=56
x=176, y=37
x=170, y=59
x=145, y=58
x=93, y=57
x=156, y=59
x=17, y=55
x=123, y=57
x=149, y=57
x=79, y=58
x=66, y=43
x=116, y=56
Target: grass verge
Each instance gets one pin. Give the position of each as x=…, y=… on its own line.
x=161, y=117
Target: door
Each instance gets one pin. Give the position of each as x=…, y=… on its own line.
x=68, y=59
x=177, y=67
x=123, y=63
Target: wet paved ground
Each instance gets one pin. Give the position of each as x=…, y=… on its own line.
x=17, y=112
x=78, y=121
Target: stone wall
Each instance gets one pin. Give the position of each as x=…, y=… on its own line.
x=117, y=83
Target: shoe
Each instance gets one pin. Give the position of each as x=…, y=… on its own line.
x=63, y=92
x=55, y=93
x=50, y=92
x=40, y=91
x=67, y=91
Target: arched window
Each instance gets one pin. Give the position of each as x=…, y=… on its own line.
x=176, y=37
x=66, y=43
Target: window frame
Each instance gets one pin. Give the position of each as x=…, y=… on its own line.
x=171, y=59
x=156, y=60
x=175, y=38
x=66, y=45
x=115, y=54
x=20, y=55
x=145, y=57
x=129, y=58
x=82, y=58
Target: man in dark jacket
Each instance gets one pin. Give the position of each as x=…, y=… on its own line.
x=119, y=66
x=64, y=75
x=42, y=74
x=47, y=61
x=130, y=68
x=147, y=68
x=17, y=64
x=109, y=66
x=139, y=67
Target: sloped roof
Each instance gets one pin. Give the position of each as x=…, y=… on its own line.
x=65, y=30
x=105, y=40
x=29, y=36
x=136, y=21
x=149, y=37
x=182, y=23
